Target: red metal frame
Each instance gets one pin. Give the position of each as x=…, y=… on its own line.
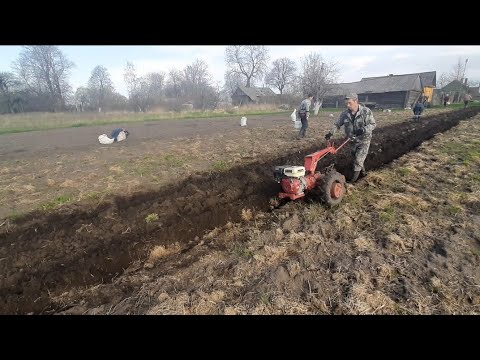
x=312, y=160
x=291, y=186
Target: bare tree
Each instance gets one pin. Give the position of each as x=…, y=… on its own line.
x=82, y=99
x=248, y=60
x=215, y=96
x=100, y=86
x=117, y=101
x=199, y=86
x=281, y=74
x=8, y=85
x=232, y=82
x=458, y=70
x=317, y=75
x=443, y=80
x=143, y=91
x=174, y=83
x=193, y=84
x=156, y=81
x=130, y=77
x=45, y=69
x=196, y=77
x=136, y=88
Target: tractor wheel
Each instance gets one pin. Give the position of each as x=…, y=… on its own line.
x=332, y=186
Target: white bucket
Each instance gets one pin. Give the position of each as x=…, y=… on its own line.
x=243, y=121
x=297, y=124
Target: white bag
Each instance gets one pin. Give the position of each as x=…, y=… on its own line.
x=121, y=136
x=294, y=115
x=105, y=140
x=243, y=121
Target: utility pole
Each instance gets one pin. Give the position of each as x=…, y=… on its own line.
x=464, y=68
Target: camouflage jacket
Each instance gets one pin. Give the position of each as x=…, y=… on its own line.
x=363, y=119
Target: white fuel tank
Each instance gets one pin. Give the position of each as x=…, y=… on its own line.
x=294, y=171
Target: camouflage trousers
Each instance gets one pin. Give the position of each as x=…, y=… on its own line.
x=359, y=153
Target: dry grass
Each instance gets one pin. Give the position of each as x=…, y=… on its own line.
x=364, y=244
x=385, y=272
x=364, y=301
x=415, y=225
x=212, y=234
x=398, y=244
x=116, y=169
x=159, y=252
x=279, y=235
x=247, y=215
x=401, y=200
x=314, y=212
x=70, y=184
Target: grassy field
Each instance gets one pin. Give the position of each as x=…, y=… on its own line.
x=16, y=123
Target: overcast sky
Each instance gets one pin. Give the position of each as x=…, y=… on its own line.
x=355, y=61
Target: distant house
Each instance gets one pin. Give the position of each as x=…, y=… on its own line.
x=392, y=91
x=253, y=95
x=456, y=90
x=428, y=82
x=475, y=92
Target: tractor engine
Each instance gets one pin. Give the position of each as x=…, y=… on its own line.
x=297, y=181
x=291, y=178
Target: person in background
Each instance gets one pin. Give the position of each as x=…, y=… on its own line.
x=119, y=134
x=466, y=99
x=446, y=99
x=304, y=113
x=418, y=109
x=425, y=101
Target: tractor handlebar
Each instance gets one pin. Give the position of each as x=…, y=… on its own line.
x=331, y=144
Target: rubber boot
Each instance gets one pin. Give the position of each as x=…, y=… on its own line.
x=355, y=177
x=363, y=172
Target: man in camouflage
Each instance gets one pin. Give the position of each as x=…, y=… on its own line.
x=359, y=123
x=466, y=99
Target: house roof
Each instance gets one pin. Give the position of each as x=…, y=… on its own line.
x=253, y=92
x=344, y=88
x=409, y=82
x=391, y=83
x=455, y=85
x=428, y=78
